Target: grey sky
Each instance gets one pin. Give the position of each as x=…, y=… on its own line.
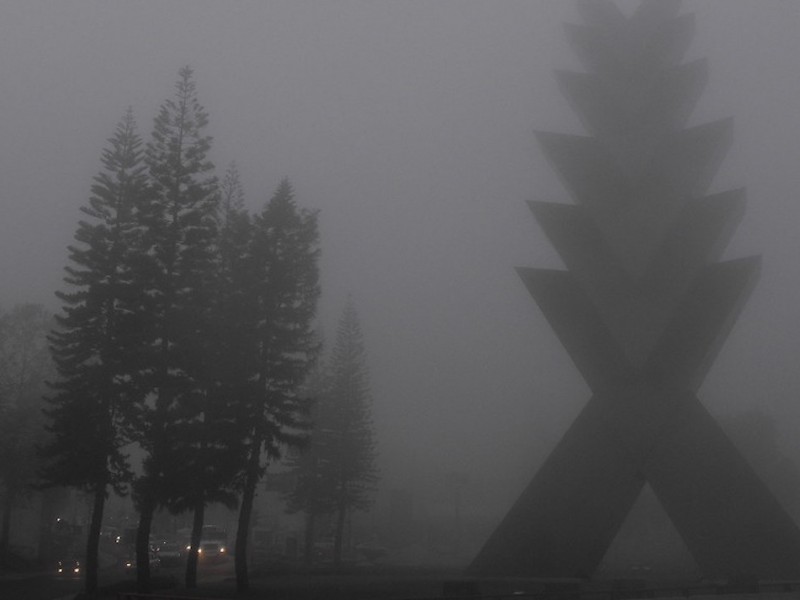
x=409, y=125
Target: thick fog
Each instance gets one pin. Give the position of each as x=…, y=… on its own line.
x=409, y=125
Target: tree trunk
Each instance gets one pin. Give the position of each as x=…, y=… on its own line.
x=8, y=505
x=93, y=541
x=339, y=535
x=143, y=545
x=194, y=545
x=310, y=535
x=245, y=512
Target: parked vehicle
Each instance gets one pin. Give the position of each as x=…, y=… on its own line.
x=211, y=551
x=213, y=543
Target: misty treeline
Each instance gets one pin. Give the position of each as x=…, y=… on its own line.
x=25, y=365
x=187, y=329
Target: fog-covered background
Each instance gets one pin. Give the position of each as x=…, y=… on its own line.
x=409, y=126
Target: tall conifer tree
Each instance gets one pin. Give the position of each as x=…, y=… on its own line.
x=345, y=421
x=285, y=289
x=181, y=225
x=95, y=345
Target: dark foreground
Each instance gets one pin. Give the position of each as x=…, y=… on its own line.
x=381, y=583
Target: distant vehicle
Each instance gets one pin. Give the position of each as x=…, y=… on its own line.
x=213, y=542
x=211, y=551
x=70, y=567
x=169, y=553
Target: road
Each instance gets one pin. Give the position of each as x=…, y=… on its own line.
x=49, y=586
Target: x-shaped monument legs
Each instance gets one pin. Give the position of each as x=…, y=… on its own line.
x=640, y=425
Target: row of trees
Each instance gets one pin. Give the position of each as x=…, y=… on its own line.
x=187, y=330
x=24, y=366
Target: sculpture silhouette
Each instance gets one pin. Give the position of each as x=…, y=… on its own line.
x=642, y=309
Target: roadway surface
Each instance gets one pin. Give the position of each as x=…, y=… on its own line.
x=51, y=586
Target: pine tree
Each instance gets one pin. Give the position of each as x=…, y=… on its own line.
x=310, y=464
x=181, y=225
x=344, y=419
x=213, y=443
x=25, y=365
x=97, y=338
x=285, y=289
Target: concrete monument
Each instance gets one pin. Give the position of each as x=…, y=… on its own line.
x=643, y=308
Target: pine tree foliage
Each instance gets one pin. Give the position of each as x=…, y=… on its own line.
x=232, y=193
x=336, y=473
x=181, y=222
x=94, y=345
x=235, y=306
x=345, y=417
x=312, y=463
x=310, y=466
x=286, y=288
x=181, y=226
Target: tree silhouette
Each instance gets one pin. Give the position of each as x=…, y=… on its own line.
x=98, y=335
x=180, y=228
x=285, y=290
x=342, y=440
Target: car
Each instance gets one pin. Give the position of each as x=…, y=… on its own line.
x=211, y=551
x=169, y=553
x=68, y=567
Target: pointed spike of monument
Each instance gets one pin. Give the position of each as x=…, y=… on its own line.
x=702, y=322
x=594, y=48
x=668, y=44
x=650, y=107
x=628, y=52
x=699, y=237
x=679, y=91
x=688, y=162
x=586, y=169
x=581, y=246
x=725, y=210
x=601, y=106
